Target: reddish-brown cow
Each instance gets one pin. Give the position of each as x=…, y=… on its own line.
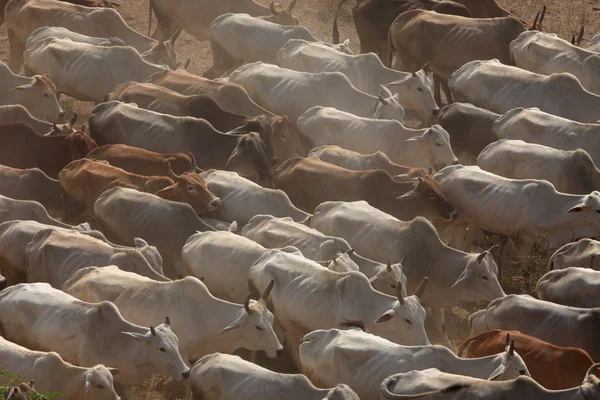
x=551, y=366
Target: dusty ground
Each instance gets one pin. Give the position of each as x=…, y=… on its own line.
x=563, y=18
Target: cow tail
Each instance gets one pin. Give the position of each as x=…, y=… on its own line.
x=336, y=33
x=466, y=343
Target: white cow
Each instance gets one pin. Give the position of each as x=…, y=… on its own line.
x=362, y=360
x=242, y=199
x=203, y=323
x=270, y=86
x=573, y=286
x=365, y=71
x=11, y=209
x=454, y=275
x=273, y=232
x=547, y=54
x=583, y=253
x=570, y=171
x=54, y=255
x=38, y=94
x=500, y=88
x=58, y=32
x=302, y=288
x=85, y=71
x=535, y=126
x=594, y=44
x=51, y=374
x=406, y=146
x=39, y=317
x=213, y=375
x=524, y=209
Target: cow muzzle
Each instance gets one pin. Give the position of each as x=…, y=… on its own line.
x=215, y=204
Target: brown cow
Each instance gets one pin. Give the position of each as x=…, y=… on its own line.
x=23, y=391
x=83, y=181
x=31, y=184
x=309, y=182
x=23, y=147
x=143, y=162
x=279, y=133
x=551, y=366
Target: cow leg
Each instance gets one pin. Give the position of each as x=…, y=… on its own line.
x=447, y=91
x=222, y=61
x=437, y=96
x=72, y=209
x=439, y=324
x=16, y=52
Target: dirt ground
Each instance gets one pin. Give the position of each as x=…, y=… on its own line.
x=563, y=18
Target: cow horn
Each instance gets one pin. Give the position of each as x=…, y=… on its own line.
x=542, y=15
x=172, y=174
x=573, y=40
x=403, y=259
x=399, y=293
x=267, y=291
x=424, y=67
x=507, y=340
x=414, y=70
x=383, y=101
x=186, y=64
x=292, y=5
x=272, y=8
x=152, y=331
x=73, y=120
x=247, y=304
x=535, y=21
x=422, y=287
x=494, y=247
x=350, y=252
x=175, y=35
x=167, y=320
x=511, y=347
x=193, y=160
x=389, y=266
x=580, y=36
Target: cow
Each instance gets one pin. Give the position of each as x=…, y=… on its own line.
x=372, y=19
x=419, y=37
x=52, y=374
x=502, y=88
x=38, y=94
x=22, y=392
x=242, y=199
x=378, y=358
x=573, y=286
x=25, y=148
x=279, y=133
x=238, y=38
x=18, y=113
x=554, y=323
x=487, y=9
x=16, y=235
x=85, y=71
x=82, y=181
x=58, y=32
x=115, y=122
x=523, y=209
x=309, y=182
x=541, y=357
x=583, y=253
x=12, y=209
x=217, y=325
x=363, y=162
x=229, y=96
x=32, y=184
x=535, y=126
x=366, y=72
x=273, y=232
x=23, y=17
x=570, y=171
x=144, y=162
x=593, y=44
x=440, y=386
x=469, y=128
x=213, y=374
x=416, y=148
x=128, y=214
x=301, y=285
x=53, y=256
x=196, y=18
x=3, y=282
x=454, y=275
x=547, y=54
x=270, y=85
x=39, y=317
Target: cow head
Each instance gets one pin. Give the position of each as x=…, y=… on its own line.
x=433, y=147
x=427, y=197
x=576, y=41
x=584, y=215
x=163, y=52
x=39, y=97
x=79, y=144
x=192, y=189
x=150, y=253
x=99, y=383
x=404, y=322
x=342, y=261
x=253, y=326
x=389, y=278
x=249, y=158
x=341, y=392
x=537, y=21
x=285, y=139
x=63, y=129
x=415, y=92
x=281, y=15
x=479, y=279
x=511, y=364
x=161, y=350
x=388, y=106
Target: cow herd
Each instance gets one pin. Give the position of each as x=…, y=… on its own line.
x=280, y=206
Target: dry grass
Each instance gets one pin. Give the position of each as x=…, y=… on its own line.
x=563, y=17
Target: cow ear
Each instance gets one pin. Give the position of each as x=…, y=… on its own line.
x=235, y=323
x=113, y=371
x=578, y=208
x=465, y=274
x=496, y=374
x=387, y=316
x=139, y=242
x=415, y=139
x=27, y=86
x=88, y=382
x=137, y=336
x=408, y=195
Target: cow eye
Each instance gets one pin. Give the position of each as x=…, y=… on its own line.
x=100, y=386
x=162, y=349
x=407, y=321
x=431, y=195
x=393, y=286
x=438, y=144
x=190, y=188
x=420, y=89
x=258, y=328
x=522, y=372
x=485, y=278
x=46, y=95
x=598, y=211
